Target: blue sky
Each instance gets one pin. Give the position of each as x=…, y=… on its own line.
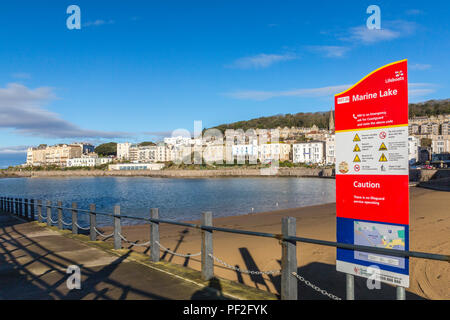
x=138, y=70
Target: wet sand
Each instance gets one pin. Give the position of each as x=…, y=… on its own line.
x=429, y=232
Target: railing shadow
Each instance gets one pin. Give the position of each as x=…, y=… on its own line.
x=18, y=282
x=212, y=292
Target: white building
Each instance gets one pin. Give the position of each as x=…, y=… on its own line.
x=244, y=152
x=440, y=144
x=87, y=161
x=136, y=166
x=413, y=149
x=274, y=151
x=309, y=152
x=330, y=152
x=123, y=150
x=179, y=140
x=213, y=153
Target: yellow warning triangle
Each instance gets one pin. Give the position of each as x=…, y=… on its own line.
x=356, y=148
x=356, y=138
x=382, y=147
x=356, y=159
x=383, y=158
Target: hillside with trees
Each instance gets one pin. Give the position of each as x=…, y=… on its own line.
x=429, y=108
x=321, y=119
x=107, y=149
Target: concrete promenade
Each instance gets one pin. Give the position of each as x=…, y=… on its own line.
x=34, y=260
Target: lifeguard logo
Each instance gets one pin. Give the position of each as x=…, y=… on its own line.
x=398, y=73
x=343, y=100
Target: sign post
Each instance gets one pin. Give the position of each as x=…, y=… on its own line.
x=372, y=195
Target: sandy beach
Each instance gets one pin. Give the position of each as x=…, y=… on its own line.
x=429, y=232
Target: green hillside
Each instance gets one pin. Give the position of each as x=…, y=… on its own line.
x=321, y=119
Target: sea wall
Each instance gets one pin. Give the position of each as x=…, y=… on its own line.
x=422, y=175
x=234, y=172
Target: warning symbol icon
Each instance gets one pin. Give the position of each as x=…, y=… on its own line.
x=356, y=148
x=383, y=158
x=356, y=138
x=382, y=147
x=356, y=159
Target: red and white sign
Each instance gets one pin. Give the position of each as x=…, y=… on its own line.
x=372, y=170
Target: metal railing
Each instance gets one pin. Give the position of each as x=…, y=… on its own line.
x=25, y=208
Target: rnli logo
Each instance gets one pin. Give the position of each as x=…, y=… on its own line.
x=398, y=74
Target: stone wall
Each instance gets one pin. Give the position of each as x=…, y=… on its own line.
x=282, y=172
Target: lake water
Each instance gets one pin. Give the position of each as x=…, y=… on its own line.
x=178, y=199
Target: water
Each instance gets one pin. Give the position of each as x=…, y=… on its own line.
x=177, y=199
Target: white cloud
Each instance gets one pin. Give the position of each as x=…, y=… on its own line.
x=417, y=89
x=330, y=51
x=414, y=12
x=98, y=22
x=261, y=60
x=21, y=75
x=389, y=30
x=12, y=150
x=420, y=89
x=419, y=66
x=304, y=92
x=21, y=109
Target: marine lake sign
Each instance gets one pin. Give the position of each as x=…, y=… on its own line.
x=372, y=195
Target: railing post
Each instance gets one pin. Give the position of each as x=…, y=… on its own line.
x=39, y=206
x=25, y=209
x=32, y=218
x=117, y=229
x=207, y=248
x=92, y=222
x=60, y=216
x=9, y=205
x=21, y=207
x=401, y=293
x=288, y=260
x=154, y=235
x=350, y=286
x=49, y=213
x=16, y=206
x=74, y=218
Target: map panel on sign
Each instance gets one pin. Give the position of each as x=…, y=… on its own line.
x=380, y=236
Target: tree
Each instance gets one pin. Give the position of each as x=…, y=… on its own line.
x=147, y=143
x=425, y=142
x=107, y=149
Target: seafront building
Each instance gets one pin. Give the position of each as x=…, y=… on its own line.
x=136, y=166
x=309, y=152
x=57, y=155
x=428, y=136
x=330, y=152
x=440, y=144
x=91, y=160
x=413, y=149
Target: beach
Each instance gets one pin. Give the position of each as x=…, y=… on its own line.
x=429, y=232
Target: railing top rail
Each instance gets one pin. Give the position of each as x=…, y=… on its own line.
x=390, y=252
